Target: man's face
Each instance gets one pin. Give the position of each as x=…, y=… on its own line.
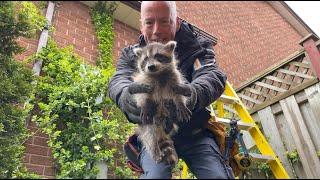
x=156, y=24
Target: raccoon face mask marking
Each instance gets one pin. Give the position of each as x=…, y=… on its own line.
x=162, y=58
x=155, y=58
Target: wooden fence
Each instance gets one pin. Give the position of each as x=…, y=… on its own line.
x=285, y=101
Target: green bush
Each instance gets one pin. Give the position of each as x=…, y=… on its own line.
x=16, y=19
x=70, y=98
x=75, y=112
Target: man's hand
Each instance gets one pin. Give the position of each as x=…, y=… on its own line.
x=188, y=91
x=129, y=104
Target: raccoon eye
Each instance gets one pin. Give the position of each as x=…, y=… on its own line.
x=162, y=58
x=144, y=62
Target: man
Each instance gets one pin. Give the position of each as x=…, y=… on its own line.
x=195, y=145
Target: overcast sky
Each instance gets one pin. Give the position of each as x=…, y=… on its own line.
x=309, y=12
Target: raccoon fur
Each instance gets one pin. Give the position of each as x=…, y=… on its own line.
x=165, y=106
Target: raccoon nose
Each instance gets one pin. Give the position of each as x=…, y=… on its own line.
x=152, y=67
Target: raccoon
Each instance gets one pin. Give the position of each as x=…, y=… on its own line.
x=166, y=105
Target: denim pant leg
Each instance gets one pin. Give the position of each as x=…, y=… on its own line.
x=204, y=159
x=153, y=170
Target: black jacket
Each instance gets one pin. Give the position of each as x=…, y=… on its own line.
x=209, y=81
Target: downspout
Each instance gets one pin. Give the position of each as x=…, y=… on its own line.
x=42, y=43
x=43, y=40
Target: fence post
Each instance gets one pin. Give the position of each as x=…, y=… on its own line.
x=309, y=44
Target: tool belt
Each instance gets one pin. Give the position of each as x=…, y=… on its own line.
x=132, y=147
x=219, y=132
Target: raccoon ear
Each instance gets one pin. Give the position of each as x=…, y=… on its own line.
x=137, y=52
x=170, y=45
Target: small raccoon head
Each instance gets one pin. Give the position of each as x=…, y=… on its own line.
x=156, y=57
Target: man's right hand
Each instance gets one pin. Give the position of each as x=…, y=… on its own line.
x=128, y=102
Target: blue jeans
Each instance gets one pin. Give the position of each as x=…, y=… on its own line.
x=201, y=154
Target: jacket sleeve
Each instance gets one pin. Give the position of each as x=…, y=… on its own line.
x=209, y=80
x=122, y=77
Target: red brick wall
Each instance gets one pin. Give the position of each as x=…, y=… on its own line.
x=38, y=156
x=252, y=36
x=124, y=35
x=30, y=46
x=73, y=26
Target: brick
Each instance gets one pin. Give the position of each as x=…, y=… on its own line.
x=59, y=40
x=81, y=44
x=49, y=171
x=40, y=141
x=35, y=168
x=35, y=149
x=90, y=51
x=26, y=158
x=29, y=140
x=82, y=23
x=41, y=160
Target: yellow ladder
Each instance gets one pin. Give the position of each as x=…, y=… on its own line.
x=248, y=124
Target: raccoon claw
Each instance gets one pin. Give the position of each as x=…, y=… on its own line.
x=184, y=114
x=168, y=153
x=148, y=111
x=172, y=109
x=146, y=118
x=165, y=143
x=170, y=156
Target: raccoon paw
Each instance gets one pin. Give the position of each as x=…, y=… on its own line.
x=158, y=158
x=182, y=89
x=170, y=156
x=183, y=113
x=168, y=152
x=135, y=88
x=172, y=112
x=148, y=111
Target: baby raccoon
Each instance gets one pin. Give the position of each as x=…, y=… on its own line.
x=165, y=106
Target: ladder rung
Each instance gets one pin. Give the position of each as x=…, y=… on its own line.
x=228, y=99
x=260, y=158
x=241, y=125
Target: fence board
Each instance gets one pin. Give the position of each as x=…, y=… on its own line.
x=301, y=138
x=271, y=131
x=312, y=117
x=287, y=139
x=312, y=125
x=313, y=95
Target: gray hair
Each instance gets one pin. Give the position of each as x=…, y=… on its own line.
x=173, y=9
